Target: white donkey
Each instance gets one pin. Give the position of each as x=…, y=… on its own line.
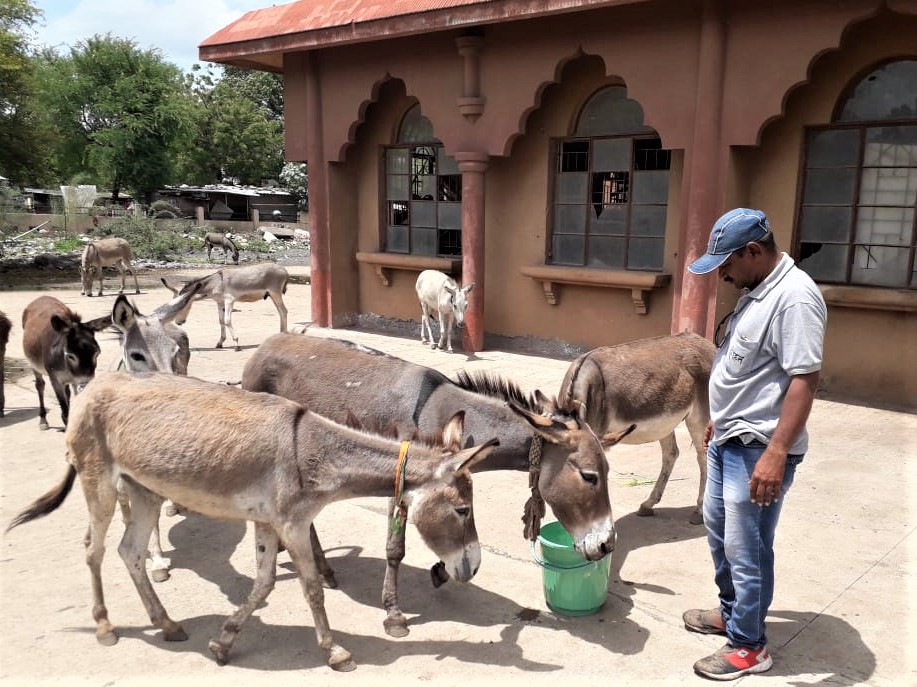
x=111, y=252
x=439, y=294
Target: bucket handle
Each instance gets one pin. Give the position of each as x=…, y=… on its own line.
x=556, y=568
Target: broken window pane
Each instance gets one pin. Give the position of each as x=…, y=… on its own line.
x=823, y=261
x=450, y=242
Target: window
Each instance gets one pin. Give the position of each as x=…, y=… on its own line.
x=611, y=187
x=857, y=217
x=423, y=196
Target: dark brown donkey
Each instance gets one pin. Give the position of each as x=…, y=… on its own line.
x=564, y=457
x=58, y=344
x=5, y=326
x=653, y=384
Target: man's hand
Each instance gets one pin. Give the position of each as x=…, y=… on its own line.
x=766, y=481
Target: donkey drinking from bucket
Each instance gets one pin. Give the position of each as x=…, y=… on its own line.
x=57, y=343
x=243, y=284
x=564, y=458
x=105, y=253
x=253, y=457
x=655, y=384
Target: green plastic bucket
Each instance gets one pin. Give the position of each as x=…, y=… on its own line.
x=572, y=584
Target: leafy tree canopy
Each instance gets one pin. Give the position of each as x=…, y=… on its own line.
x=119, y=113
x=24, y=144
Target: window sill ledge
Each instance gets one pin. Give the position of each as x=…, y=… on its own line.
x=385, y=262
x=866, y=298
x=640, y=284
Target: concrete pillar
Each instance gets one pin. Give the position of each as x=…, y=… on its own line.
x=256, y=218
x=473, y=166
x=199, y=215
x=320, y=236
x=694, y=305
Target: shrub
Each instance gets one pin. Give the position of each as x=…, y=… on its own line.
x=146, y=238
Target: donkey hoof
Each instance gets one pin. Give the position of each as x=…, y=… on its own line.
x=107, y=638
x=644, y=512
x=174, y=634
x=219, y=345
x=438, y=575
x=43, y=426
x=220, y=652
x=159, y=574
x=340, y=660
x=696, y=518
x=396, y=626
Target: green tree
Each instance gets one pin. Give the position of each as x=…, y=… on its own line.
x=25, y=142
x=238, y=127
x=119, y=112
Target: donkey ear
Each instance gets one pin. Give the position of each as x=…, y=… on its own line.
x=478, y=453
x=452, y=432
x=99, y=323
x=169, y=286
x=612, y=438
x=123, y=313
x=549, y=428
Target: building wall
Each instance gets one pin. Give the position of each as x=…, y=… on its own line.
x=785, y=66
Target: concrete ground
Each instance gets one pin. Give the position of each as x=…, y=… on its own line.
x=844, y=613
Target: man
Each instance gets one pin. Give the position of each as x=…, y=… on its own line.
x=763, y=382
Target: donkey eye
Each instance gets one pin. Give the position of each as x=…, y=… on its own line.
x=590, y=477
x=463, y=511
x=137, y=357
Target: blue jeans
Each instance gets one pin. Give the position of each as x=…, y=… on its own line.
x=741, y=538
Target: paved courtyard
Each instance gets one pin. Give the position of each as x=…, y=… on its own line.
x=845, y=609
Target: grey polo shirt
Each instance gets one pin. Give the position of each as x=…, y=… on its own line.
x=777, y=331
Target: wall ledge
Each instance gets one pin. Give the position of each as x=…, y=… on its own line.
x=867, y=298
x=385, y=262
x=640, y=284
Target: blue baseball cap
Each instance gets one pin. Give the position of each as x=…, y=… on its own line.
x=730, y=233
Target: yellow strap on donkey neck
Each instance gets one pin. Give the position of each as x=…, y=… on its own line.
x=399, y=517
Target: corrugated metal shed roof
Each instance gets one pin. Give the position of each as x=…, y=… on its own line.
x=260, y=37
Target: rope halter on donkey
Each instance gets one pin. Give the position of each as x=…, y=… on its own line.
x=534, y=507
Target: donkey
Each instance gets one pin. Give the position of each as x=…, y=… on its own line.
x=58, y=344
x=151, y=343
x=5, y=326
x=243, y=284
x=257, y=457
x=654, y=383
x=439, y=294
x=564, y=458
x=214, y=238
x=105, y=253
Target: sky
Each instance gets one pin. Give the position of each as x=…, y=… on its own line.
x=175, y=27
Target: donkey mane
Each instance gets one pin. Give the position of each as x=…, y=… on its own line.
x=490, y=384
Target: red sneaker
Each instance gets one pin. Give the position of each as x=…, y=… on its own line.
x=733, y=662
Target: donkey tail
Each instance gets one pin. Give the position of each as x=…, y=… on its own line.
x=48, y=503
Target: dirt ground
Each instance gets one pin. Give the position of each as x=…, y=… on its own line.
x=845, y=610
